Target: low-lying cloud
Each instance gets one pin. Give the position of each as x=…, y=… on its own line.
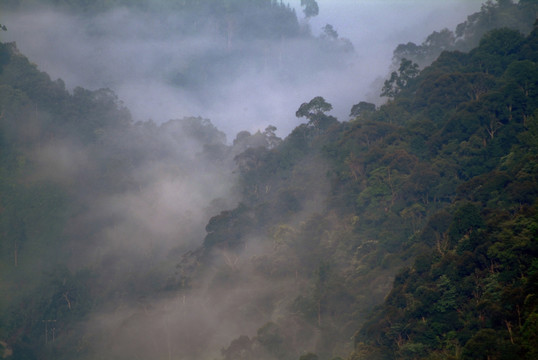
x=141, y=57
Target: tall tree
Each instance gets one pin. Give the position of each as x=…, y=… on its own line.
x=314, y=111
x=311, y=8
x=398, y=81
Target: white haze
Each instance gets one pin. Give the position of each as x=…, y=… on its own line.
x=133, y=53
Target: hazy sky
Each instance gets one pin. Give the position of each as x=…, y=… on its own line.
x=375, y=28
x=374, y=24
x=126, y=60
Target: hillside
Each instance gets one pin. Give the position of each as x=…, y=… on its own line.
x=517, y=15
x=407, y=232
x=468, y=294
x=440, y=180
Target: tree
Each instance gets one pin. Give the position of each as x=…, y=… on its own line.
x=408, y=51
x=485, y=344
x=270, y=338
x=317, y=105
x=362, y=108
x=271, y=138
x=428, y=51
x=439, y=41
x=330, y=32
x=309, y=356
x=467, y=219
x=497, y=50
x=3, y=27
x=239, y=348
x=529, y=339
x=398, y=81
x=314, y=111
x=311, y=8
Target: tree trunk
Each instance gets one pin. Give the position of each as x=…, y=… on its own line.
x=16, y=254
x=319, y=313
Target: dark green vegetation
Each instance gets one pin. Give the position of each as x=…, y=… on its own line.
x=430, y=198
x=517, y=15
x=441, y=179
x=470, y=292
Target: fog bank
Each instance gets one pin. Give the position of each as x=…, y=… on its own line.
x=140, y=56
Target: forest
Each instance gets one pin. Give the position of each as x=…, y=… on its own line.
x=407, y=231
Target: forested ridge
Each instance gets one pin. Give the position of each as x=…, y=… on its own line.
x=517, y=15
x=408, y=232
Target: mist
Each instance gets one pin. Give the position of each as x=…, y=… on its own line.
x=138, y=55
x=136, y=236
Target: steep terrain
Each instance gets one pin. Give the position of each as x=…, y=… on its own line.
x=408, y=232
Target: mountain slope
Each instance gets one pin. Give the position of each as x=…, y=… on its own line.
x=124, y=240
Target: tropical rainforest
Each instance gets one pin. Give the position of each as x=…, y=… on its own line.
x=408, y=231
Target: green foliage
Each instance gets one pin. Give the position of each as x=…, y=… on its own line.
x=466, y=220
x=427, y=180
x=362, y=108
x=484, y=345
x=315, y=111
x=228, y=228
x=465, y=295
x=410, y=229
x=400, y=80
x=496, y=50
x=515, y=15
x=309, y=356
x=528, y=332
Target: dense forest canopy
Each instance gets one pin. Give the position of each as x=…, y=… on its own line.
x=407, y=232
x=518, y=15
